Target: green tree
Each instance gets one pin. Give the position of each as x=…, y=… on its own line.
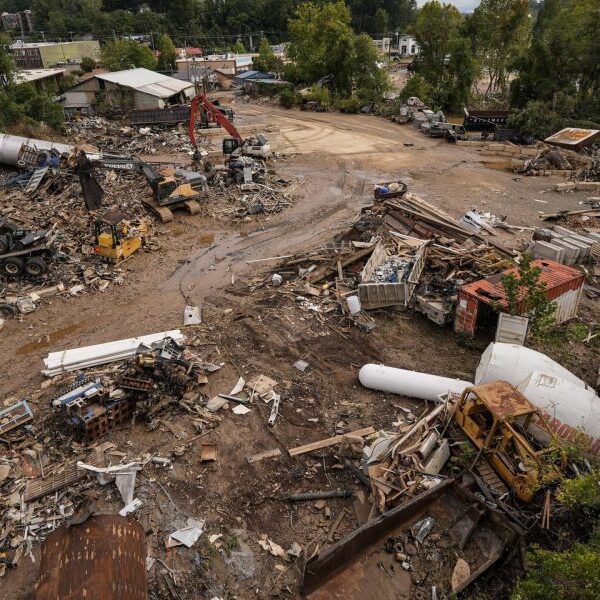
x=501, y=30
x=119, y=54
x=167, y=53
x=416, y=86
x=562, y=64
x=7, y=64
x=266, y=60
x=436, y=28
x=238, y=47
x=87, y=64
x=323, y=44
x=381, y=20
x=460, y=74
x=526, y=295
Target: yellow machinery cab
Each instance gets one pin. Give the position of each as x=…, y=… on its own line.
x=117, y=238
x=495, y=416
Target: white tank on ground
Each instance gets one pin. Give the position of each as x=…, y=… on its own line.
x=409, y=383
x=514, y=363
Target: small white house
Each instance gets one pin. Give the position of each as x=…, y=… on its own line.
x=407, y=45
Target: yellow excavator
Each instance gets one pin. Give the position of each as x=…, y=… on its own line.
x=182, y=188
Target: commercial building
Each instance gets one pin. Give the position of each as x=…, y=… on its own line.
x=126, y=90
x=21, y=22
x=230, y=64
x=43, y=55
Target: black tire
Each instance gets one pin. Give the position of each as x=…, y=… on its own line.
x=12, y=266
x=8, y=311
x=3, y=244
x=35, y=266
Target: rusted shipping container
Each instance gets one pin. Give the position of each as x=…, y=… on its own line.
x=563, y=286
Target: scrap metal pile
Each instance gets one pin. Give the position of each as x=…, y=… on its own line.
x=98, y=388
x=116, y=138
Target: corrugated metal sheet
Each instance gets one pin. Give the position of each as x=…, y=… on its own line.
x=511, y=329
x=148, y=82
x=573, y=137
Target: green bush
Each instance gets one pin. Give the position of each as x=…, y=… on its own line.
x=87, y=64
x=416, y=86
x=321, y=95
x=569, y=575
x=350, y=105
x=288, y=98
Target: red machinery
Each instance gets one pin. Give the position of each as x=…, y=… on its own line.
x=257, y=146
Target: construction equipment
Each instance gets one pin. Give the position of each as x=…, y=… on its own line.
x=257, y=146
x=180, y=190
x=23, y=250
x=495, y=417
x=116, y=238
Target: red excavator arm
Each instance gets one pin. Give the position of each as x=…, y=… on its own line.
x=214, y=114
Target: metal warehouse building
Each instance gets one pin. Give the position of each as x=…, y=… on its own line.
x=126, y=90
x=476, y=299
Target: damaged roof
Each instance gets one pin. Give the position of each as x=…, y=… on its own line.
x=147, y=82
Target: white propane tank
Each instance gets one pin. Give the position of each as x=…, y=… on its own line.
x=409, y=383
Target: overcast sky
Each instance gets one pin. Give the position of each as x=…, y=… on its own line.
x=462, y=5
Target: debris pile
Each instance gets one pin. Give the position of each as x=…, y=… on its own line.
x=404, y=252
x=115, y=138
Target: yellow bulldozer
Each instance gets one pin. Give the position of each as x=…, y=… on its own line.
x=495, y=416
x=117, y=238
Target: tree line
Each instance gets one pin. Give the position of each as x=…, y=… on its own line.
x=214, y=23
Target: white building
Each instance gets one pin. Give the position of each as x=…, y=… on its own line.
x=407, y=45
x=126, y=90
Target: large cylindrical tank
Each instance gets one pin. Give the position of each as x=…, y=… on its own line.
x=10, y=145
x=514, y=363
x=570, y=409
x=103, y=558
x=409, y=383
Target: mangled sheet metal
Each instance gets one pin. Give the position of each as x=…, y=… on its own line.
x=385, y=560
x=102, y=557
x=390, y=279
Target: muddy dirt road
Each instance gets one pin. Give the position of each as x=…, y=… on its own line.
x=202, y=260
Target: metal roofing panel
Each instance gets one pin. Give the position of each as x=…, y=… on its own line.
x=146, y=81
x=503, y=399
x=553, y=275
x=573, y=137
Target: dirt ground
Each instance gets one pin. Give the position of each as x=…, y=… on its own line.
x=202, y=261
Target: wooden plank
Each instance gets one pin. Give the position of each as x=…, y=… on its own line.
x=330, y=441
x=262, y=455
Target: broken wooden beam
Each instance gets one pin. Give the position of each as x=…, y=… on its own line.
x=332, y=441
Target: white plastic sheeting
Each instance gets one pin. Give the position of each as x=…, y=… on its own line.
x=568, y=406
x=90, y=356
x=513, y=363
x=409, y=383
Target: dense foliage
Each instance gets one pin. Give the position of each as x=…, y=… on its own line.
x=213, y=24
x=324, y=45
x=561, y=66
